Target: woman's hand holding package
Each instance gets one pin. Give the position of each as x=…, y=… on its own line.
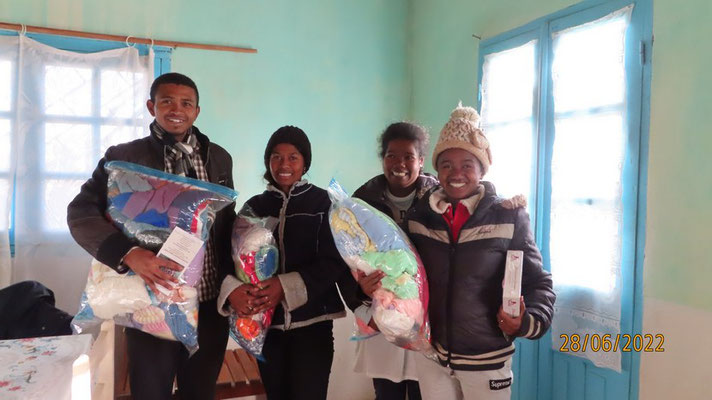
x=243, y=301
x=371, y=282
x=147, y=265
x=508, y=324
x=268, y=294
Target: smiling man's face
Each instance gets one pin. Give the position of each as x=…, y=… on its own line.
x=175, y=108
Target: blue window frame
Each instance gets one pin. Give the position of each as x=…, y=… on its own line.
x=523, y=110
x=9, y=76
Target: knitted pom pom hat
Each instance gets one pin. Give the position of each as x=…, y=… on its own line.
x=462, y=131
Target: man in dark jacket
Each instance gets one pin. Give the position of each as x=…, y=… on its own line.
x=174, y=145
x=463, y=231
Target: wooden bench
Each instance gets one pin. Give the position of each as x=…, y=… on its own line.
x=239, y=375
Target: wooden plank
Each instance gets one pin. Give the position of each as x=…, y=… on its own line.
x=236, y=370
x=224, y=375
x=249, y=364
x=121, y=363
x=122, y=38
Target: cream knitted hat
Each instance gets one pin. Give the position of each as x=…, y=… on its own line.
x=462, y=131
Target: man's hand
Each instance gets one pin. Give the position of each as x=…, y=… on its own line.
x=371, y=282
x=242, y=301
x=147, y=265
x=508, y=324
x=269, y=293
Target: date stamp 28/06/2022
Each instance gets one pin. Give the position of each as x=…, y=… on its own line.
x=647, y=343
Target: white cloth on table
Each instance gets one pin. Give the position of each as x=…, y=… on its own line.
x=40, y=368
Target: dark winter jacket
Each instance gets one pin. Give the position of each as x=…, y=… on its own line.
x=465, y=279
x=373, y=192
x=86, y=214
x=310, y=264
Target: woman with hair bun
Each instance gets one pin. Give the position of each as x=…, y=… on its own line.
x=401, y=149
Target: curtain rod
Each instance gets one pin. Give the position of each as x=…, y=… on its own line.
x=118, y=38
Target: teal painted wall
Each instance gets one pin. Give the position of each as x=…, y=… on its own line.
x=333, y=68
x=678, y=266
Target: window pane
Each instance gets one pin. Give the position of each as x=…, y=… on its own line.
x=512, y=149
x=586, y=207
x=68, y=91
x=113, y=134
x=123, y=94
x=588, y=69
x=508, y=90
x=57, y=195
x=4, y=145
x=5, y=85
x=68, y=148
x=508, y=84
x=4, y=204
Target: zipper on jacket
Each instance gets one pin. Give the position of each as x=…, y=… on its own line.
x=283, y=267
x=450, y=294
x=282, y=221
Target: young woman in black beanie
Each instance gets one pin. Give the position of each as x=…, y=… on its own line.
x=299, y=347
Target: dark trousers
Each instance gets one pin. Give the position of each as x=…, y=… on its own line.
x=298, y=362
x=389, y=390
x=154, y=362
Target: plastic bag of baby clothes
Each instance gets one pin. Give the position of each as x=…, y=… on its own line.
x=256, y=259
x=369, y=240
x=148, y=205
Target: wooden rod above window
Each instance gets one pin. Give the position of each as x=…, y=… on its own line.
x=118, y=38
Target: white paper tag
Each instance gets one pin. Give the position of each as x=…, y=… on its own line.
x=512, y=289
x=181, y=247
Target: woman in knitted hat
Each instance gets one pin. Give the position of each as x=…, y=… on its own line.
x=462, y=231
x=398, y=189
x=299, y=346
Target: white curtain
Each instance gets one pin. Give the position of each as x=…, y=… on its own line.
x=586, y=236
x=8, y=55
x=68, y=108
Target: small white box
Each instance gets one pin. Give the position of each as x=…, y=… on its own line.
x=512, y=290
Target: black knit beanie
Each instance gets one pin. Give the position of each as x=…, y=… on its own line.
x=291, y=135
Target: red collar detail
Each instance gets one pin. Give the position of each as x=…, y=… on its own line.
x=456, y=219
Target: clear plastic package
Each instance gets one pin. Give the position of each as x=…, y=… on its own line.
x=147, y=205
x=256, y=259
x=369, y=240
